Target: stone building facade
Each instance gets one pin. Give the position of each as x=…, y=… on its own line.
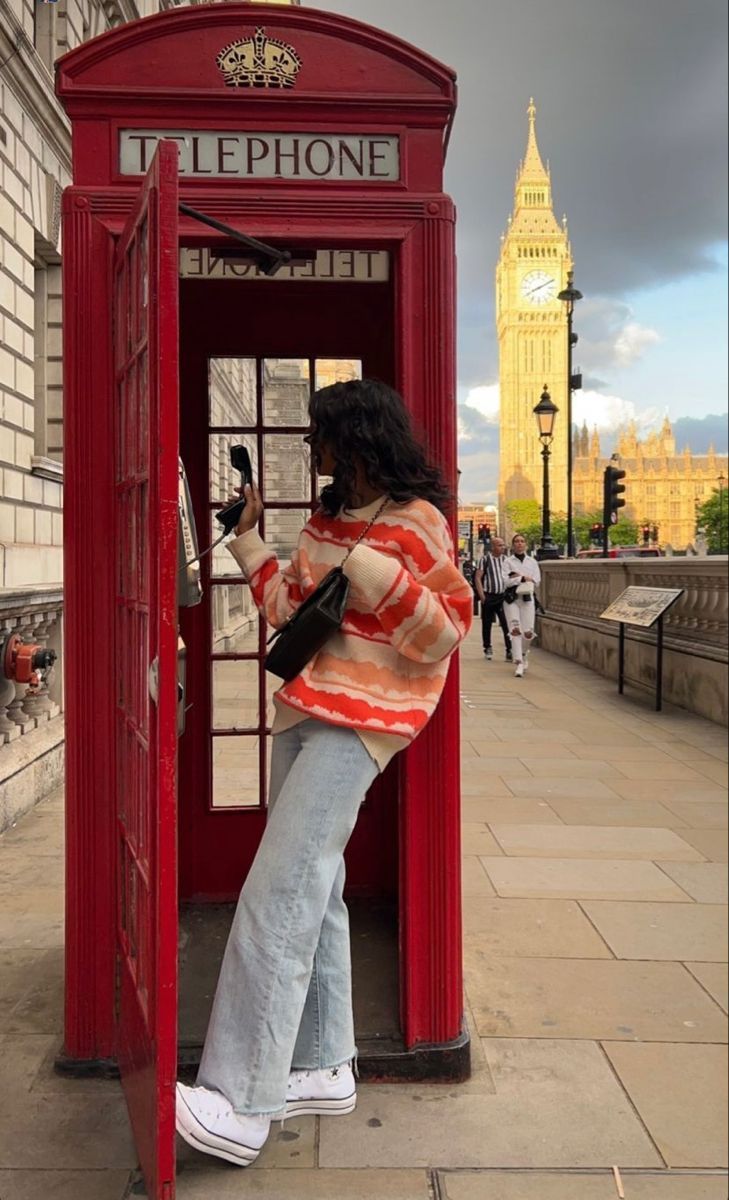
x=663, y=487
x=35, y=167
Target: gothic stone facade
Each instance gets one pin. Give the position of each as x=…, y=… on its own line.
x=663, y=487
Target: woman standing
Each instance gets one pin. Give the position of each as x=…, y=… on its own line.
x=521, y=574
x=281, y=1033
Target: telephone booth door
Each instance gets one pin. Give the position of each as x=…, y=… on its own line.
x=145, y=305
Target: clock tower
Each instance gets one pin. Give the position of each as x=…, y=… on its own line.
x=532, y=330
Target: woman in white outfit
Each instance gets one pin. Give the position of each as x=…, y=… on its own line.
x=521, y=571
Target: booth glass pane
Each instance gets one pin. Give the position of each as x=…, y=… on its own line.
x=235, y=620
x=287, y=468
x=236, y=772
x=336, y=370
x=286, y=391
x=235, y=695
x=283, y=526
x=232, y=387
x=224, y=479
x=222, y=562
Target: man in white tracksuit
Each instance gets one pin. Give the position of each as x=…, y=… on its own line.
x=521, y=571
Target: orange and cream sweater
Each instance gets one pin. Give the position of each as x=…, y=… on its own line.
x=383, y=671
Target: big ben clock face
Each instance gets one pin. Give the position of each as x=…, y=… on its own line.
x=538, y=287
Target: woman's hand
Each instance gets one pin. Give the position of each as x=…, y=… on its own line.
x=251, y=514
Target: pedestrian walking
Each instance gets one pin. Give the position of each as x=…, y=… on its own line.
x=490, y=586
x=281, y=1034
x=522, y=575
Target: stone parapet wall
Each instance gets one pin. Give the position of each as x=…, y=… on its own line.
x=696, y=629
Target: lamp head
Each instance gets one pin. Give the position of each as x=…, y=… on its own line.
x=545, y=412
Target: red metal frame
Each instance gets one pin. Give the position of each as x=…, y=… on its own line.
x=146, y=406
x=160, y=72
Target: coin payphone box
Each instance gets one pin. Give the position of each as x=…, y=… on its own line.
x=256, y=211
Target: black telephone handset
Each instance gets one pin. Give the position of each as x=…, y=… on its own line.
x=230, y=516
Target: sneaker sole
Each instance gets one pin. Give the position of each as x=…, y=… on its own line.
x=200, y=1139
x=317, y=1107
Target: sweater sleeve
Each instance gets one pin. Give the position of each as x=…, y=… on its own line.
x=425, y=612
x=277, y=592
x=534, y=572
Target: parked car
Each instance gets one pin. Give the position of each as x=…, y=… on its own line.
x=623, y=552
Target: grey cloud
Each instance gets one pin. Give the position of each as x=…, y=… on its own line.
x=701, y=433
x=631, y=111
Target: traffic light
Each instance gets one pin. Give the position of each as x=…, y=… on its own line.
x=646, y=535
x=484, y=534
x=612, y=495
x=596, y=533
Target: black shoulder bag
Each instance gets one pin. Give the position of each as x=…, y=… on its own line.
x=315, y=620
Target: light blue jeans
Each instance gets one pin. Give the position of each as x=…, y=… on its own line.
x=284, y=996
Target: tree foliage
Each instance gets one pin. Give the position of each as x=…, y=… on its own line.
x=713, y=518
x=525, y=516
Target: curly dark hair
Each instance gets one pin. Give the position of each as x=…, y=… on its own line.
x=367, y=420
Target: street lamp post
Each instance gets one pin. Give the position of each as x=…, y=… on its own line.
x=570, y=295
x=545, y=412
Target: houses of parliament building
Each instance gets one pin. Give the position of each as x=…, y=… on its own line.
x=664, y=485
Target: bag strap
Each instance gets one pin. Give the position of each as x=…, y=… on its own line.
x=366, y=529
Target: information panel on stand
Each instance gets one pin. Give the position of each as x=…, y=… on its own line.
x=641, y=605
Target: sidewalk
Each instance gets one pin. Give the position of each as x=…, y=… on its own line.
x=596, y=980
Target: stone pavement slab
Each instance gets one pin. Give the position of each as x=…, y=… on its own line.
x=343, y=1184
x=578, y=768
x=474, y=880
x=705, y=882
x=645, y=813
x=715, y=978
x=670, y=792
x=533, y=812
x=716, y=771
x=587, y=841
x=581, y=878
x=660, y=931
x=560, y=786
x=701, y=813
x=714, y=749
x=681, y=1095
x=583, y=998
x=478, y=839
x=518, y=749
x=712, y=843
x=555, y=1102
x=533, y=928
x=655, y=770
x=537, y=1185
x=64, y=1185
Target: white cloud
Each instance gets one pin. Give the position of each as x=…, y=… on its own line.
x=632, y=341
x=485, y=399
x=609, y=337
x=610, y=413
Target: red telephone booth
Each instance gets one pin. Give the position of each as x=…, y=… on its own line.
x=324, y=140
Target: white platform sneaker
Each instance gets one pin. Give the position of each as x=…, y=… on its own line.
x=206, y=1120
x=331, y=1092
x=519, y=672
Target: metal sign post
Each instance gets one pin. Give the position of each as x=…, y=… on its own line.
x=643, y=607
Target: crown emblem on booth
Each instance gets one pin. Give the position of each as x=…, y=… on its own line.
x=259, y=62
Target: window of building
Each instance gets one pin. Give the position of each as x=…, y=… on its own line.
x=48, y=360
x=45, y=33
x=675, y=510
x=675, y=489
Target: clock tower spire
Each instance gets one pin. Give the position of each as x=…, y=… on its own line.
x=532, y=330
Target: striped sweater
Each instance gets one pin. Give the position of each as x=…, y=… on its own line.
x=383, y=671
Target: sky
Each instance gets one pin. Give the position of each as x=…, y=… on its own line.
x=631, y=114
